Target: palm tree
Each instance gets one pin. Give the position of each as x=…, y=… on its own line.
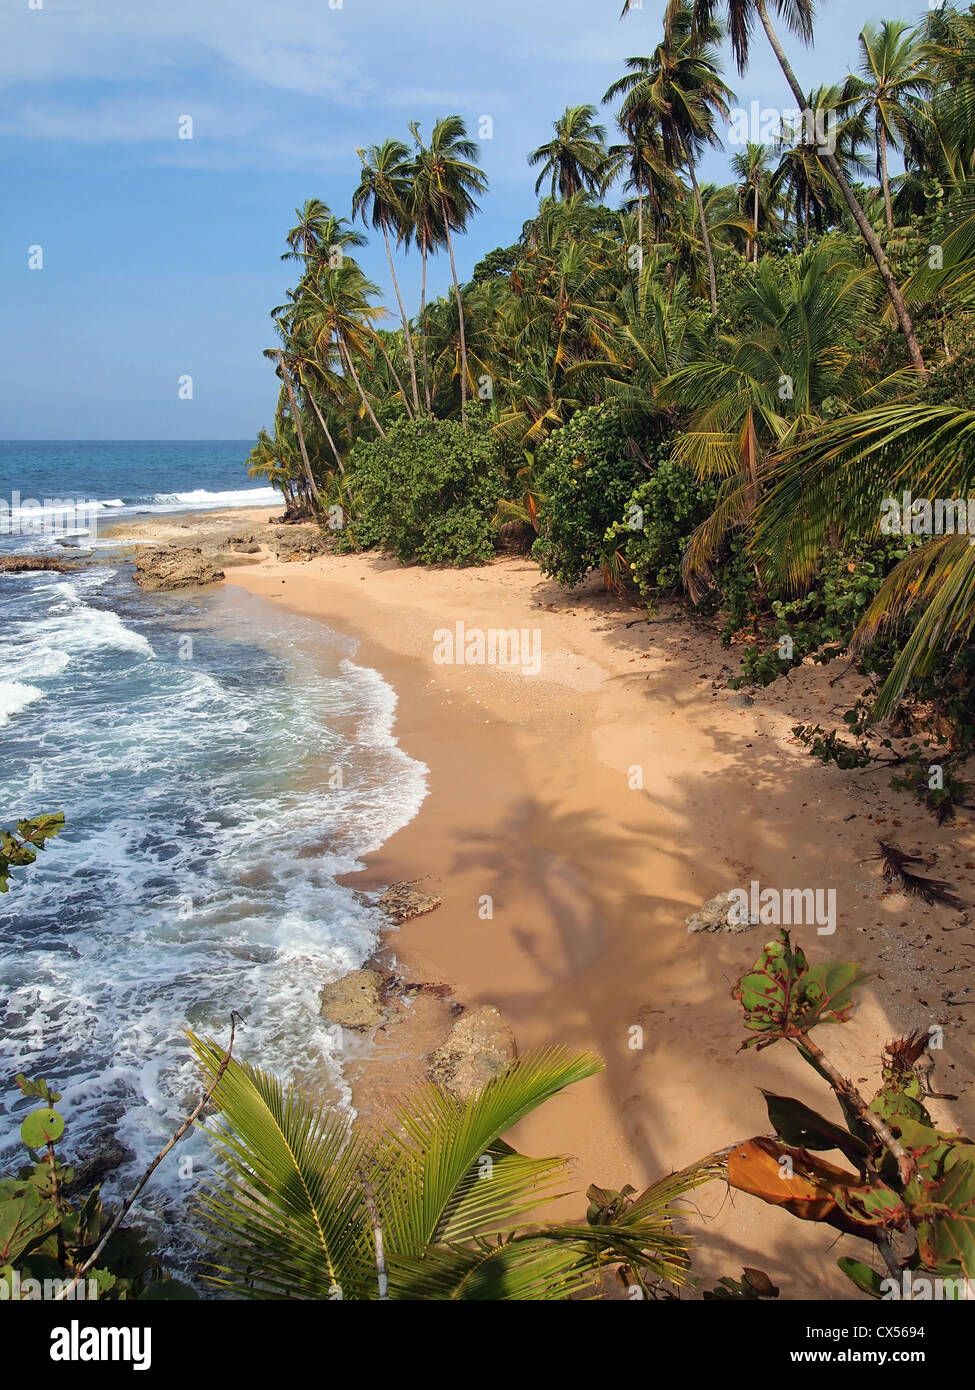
x=335, y=314
x=766, y=387
x=318, y=232
x=384, y=189
x=800, y=172
x=751, y=167
x=314, y=1206
x=679, y=91
x=683, y=251
x=273, y=459
x=576, y=158
x=647, y=171
x=894, y=79
x=641, y=156
x=798, y=16
x=445, y=182
x=296, y=417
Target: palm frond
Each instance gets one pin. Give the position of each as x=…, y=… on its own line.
x=939, y=580
x=290, y=1219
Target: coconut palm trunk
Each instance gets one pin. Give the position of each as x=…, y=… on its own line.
x=460, y=318
x=406, y=324
x=347, y=359
x=705, y=234
x=423, y=327
x=393, y=373
x=326, y=431
x=755, y=238
x=309, y=476
x=884, y=177
x=856, y=211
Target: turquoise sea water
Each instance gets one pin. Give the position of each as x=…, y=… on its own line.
x=216, y=773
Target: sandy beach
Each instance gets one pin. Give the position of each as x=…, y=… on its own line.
x=594, y=806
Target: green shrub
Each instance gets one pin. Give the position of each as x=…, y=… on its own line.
x=587, y=474
x=820, y=622
x=427, y=491
x=658, y=522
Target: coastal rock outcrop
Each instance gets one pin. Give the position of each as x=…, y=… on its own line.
x=21, y=564
x=174, y=567
x=355, y=1001
x=719, y=914
x=298, y=542
x=478, y=1047
x=401, y=901
x=107, y=1155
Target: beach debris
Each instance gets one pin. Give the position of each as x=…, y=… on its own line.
x=174, y=567
x=719, y=914
x=479, y=1046
x=355, y=1001
x=930, y=890
x=401, y=901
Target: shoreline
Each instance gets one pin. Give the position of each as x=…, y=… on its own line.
x=530, y=803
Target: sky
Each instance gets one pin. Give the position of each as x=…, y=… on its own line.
x=160, y=255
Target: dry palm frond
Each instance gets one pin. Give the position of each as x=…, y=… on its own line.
x=931, y=890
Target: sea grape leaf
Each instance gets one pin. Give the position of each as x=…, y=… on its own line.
x=827, y=992
x=38, y=1088
x=758, y=1280
x=801, y=1127
x=24, y=1221
x=42, y=1127
x=895, y=1104
x=781, y=995
x=18, y=852
x=40, y=828
x=811, y=1188
x=804, y=1188
x=862, y=1275
x=767, y=991
x=946, y=1230
x=874, y=1205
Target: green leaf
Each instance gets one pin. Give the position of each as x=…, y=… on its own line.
x=801, y=1127
x=24, y=1221
x=862, y=1275
x=827, y=992
x=42, y=1127
x=40, y=1089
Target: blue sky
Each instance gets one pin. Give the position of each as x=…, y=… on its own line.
x=161, y=255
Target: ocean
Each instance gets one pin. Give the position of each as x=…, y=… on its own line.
x=216, y=773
